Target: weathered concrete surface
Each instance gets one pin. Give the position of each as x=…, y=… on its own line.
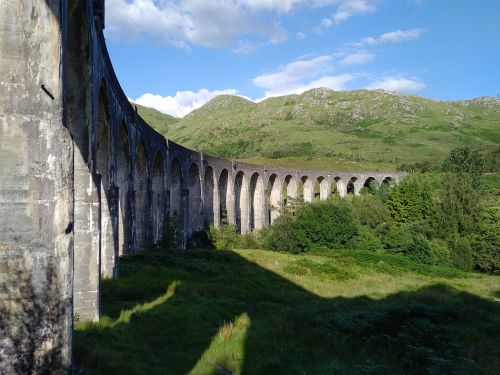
x=36, y=192
x=83, y=179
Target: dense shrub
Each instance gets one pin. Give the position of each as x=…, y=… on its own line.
x=328, y=224
x=486, y=248
x=371, y=212
x=441, y=252
x=398, y=238
x=226, y=237
x=365, y=239
x=411, y=201
x=420, y=250
x=461, y=253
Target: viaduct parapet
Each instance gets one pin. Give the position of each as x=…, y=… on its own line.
x=84, y=180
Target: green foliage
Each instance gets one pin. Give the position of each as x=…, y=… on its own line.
x=399, y=238
x=461, y=253
x=226, y=237
x=365, y=239
x=327, y=224
x=411, y=201
x=460, y=207
x=371, y=211
x=441, y=252
x=464, y=160
x=420, y=250
x=293, y=149
x=486, y=249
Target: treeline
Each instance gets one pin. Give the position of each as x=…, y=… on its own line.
x=449, y=218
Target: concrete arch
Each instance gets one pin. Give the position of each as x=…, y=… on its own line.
x=158, y=201
x=109, y=265
x=307, y=188
x=141, y=196
x=226, y=198
x=209, y=203
x=241, y=202
x=388, y=181
x=340, y=186
x=257, y=202
x=370, y=184
x=325, y=188
x=176, y=183
x=353, y=186
x=194, y=221
x=86, y=263
x=290, y=188
x=123, y=181
x=274, y=190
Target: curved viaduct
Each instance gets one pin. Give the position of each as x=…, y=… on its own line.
x=84, y=179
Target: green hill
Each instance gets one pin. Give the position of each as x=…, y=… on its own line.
x=350, y=130
x=159, y=121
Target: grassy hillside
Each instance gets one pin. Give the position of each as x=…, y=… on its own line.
x=351, y=130
x=259, y=312
x=159, y=121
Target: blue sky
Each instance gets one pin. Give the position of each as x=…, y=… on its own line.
x=176, y=55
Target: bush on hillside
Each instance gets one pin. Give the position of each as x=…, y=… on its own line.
x=486, y=249
x=461, y=253
x=224, y=238
x=371, y=212
x=398, y=238
x=441, y=252
x=327, y=224
x=365, y=239
x=420, y=250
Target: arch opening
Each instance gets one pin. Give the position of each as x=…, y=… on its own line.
x=257, y=202
x=123, y=178
x=241, y=203
x=175, y=188
x=209, y=214
x=226, y=199
x=274, y=189
x=194, y=200
x=158, y=191
x=308, y=189
x=141, y=196
x=351, y=186
x=290, y=189
x=370, y=186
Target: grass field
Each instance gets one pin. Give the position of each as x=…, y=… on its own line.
x=259, y=312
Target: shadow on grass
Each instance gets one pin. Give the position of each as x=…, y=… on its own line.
x=217, y=313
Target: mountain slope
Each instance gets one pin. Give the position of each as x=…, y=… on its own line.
x=326, y=129
x=156, y=119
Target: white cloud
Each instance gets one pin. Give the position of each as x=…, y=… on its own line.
x=401, y=35
x=391, y=37
x=398, y=84
x=209, y=23
x=345, y=9
x=215, y=23
x=182, y=103
x=300, y=36
x=349, y=8
x=294, y=73
x=357, y=58
x=301, y=75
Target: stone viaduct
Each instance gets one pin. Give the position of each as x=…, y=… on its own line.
x=84, y=180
